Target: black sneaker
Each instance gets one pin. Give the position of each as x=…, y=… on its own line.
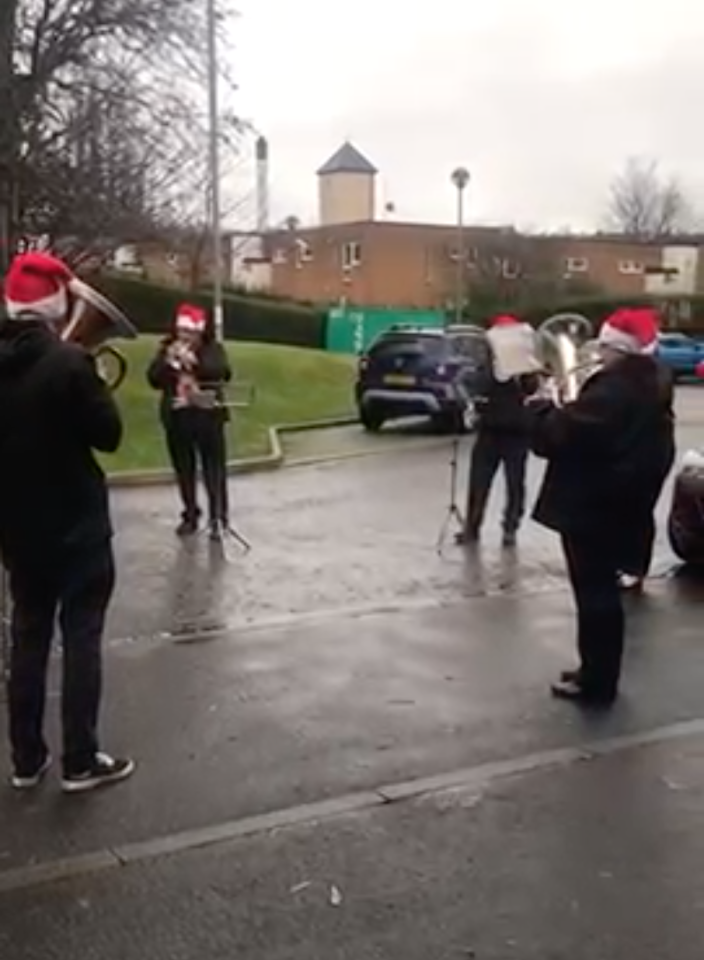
x=509, y=539
x=104, y=772
x=29, y=779
x=187, y=528
x=215, y=531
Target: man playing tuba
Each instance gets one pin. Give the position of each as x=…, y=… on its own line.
x=608, y=454
x=55, y=528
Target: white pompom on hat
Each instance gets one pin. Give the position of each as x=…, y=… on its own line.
x=37, y=287
x=631, y=330
x=190, y=317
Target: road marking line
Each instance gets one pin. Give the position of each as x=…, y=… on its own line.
x=484, y=774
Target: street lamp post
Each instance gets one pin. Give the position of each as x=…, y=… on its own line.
x=214, y=174
x=460, y=179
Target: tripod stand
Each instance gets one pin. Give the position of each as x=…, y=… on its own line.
x=453, y=511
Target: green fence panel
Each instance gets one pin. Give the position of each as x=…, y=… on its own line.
x=351, y=330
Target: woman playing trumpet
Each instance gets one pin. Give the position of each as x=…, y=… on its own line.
x=191, y=369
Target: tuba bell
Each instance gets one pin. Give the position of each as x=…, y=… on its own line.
x=93, y=321
x=569, y=354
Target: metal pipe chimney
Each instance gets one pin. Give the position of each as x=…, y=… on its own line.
x=262, y=154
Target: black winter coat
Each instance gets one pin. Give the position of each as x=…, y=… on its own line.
x=213, y=369
x=609, y=452
x=55, y=410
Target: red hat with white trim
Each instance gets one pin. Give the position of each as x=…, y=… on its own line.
x=504, y=320
x=631, y=330
x=37, y=287
x=190, y=317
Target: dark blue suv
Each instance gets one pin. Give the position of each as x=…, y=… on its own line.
x=428, y=372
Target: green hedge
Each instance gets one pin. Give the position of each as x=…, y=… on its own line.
x=152, y=309
x=597, y=309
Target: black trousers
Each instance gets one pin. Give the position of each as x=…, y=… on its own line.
x=491, y=449
x=592, y=561
x=195, y=436
x=78, y=589
x=637, y=551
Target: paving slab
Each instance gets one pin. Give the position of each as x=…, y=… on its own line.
x=598, y=860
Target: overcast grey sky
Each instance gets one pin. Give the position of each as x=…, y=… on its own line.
x=542, y=100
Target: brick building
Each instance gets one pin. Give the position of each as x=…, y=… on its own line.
x=353, y=256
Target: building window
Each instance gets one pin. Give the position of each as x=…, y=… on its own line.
x=630, y=267
x=304, y=254
x=279, y=256
x=351, y=255
x=576, y=265
x=510, y=269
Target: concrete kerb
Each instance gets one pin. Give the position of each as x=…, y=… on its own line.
x=270, y=461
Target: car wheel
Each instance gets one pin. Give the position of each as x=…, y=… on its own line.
x=372, y=421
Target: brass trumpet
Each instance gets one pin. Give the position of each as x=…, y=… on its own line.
x=93, y=321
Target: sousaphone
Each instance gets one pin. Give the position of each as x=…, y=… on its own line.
x=93, y=321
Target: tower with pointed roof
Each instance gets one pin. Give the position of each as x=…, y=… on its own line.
x=346, y=188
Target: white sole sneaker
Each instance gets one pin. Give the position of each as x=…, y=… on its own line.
x=105, y=773
x=29, y=783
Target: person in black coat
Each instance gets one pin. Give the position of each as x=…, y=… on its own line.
x=191, y=369
x=502, y=438
x=608, y=455
x=55, y=526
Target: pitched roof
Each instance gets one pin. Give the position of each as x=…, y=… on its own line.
x=347, y=159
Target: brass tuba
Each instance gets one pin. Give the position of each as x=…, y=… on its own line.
x=569, y=354
x=92, y=322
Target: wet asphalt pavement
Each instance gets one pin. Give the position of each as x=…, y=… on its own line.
x=342, y=654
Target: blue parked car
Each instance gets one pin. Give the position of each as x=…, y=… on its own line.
x=682, y=354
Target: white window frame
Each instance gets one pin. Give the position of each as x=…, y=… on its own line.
x=279, y=257
x=351, y=254
x=577, y=265
x=631, y=267
x=304, y=253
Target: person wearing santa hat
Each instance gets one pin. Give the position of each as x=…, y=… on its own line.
x=55, y=527
x=502, y=439
x=608, y=454
x=189, y=365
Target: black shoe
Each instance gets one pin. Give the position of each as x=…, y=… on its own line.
x=574, y=691
x=467, y=536
x=215, y=531
x=187, y=528
x=29, y=779
x=104, y=772
x=509, y=539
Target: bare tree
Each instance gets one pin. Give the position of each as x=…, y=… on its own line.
x=113, y=121
x=645, y=204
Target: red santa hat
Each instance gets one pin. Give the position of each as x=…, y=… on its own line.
x=190, y=317
x=37, y=286
x=631, y=330
x=504, y=320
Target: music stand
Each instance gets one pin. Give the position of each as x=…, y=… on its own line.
x=208, y=398
x=453, y=510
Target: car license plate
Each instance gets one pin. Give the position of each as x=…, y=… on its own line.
x=399, y=380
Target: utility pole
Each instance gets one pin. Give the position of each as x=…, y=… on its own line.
x=214, y=177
